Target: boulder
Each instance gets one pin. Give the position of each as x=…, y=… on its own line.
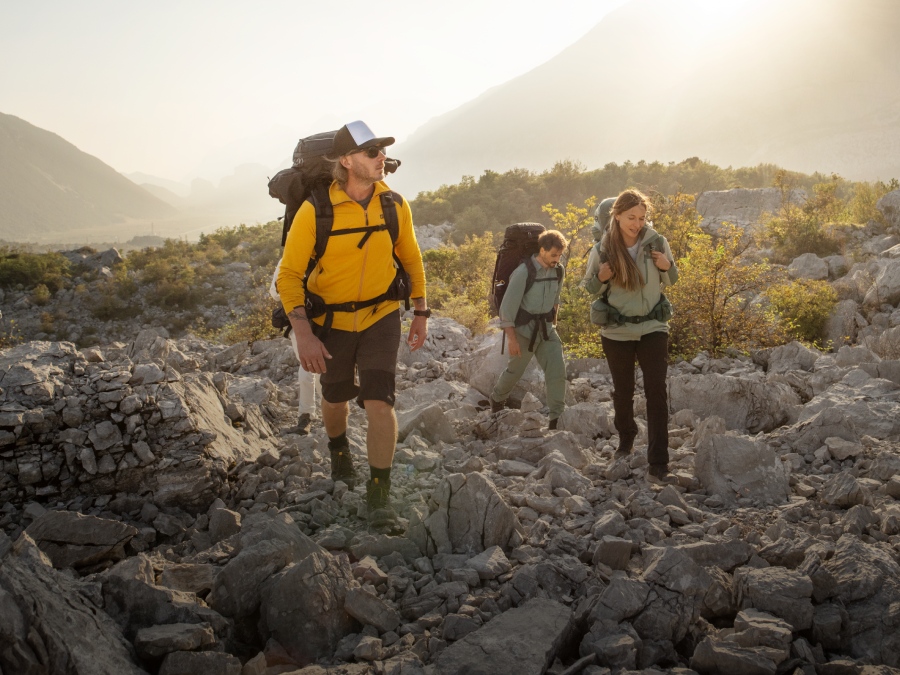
x=522, y=641
x=41, y=608
x=470, y=516
x=889, y=205
x=72, y=539
x=808, y=266
x=734, y=467
x=785, y=593
x=743, y=404
x=303, y=606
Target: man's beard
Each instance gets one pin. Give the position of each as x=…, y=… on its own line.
x=360, y=174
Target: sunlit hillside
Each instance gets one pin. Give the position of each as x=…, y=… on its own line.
x=50, y=188
x=807, y=84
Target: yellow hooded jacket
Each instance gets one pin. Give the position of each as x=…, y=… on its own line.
x=345, y=272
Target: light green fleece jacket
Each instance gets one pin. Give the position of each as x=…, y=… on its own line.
x=634, y=303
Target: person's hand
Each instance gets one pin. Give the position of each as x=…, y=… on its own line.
x=661, y=261
x=513, y=343
x=418, y=331
x=313, y=354
x=605, y=273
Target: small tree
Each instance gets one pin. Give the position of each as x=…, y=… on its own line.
x=714, y=297
x=579, y=336
x=803, y=306
x=676, y=218
x=814, y=227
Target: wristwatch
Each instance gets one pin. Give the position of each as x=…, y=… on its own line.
x=422, y=312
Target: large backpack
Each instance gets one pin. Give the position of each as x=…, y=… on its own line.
x=520, y=242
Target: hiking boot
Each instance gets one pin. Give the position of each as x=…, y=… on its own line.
x=497, y=406
x=379, y=512
x=303, y=425
x=659, y=475
x=626, y=445
x=551, y=425
x=342, y=466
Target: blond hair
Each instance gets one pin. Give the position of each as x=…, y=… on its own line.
x=625, y=271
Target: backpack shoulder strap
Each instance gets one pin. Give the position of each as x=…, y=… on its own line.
x=390, y=202
x=321, y=201
x=532, y=273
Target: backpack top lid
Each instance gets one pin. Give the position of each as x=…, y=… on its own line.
x=520, y=242
x=602, y=214
x=317, y=145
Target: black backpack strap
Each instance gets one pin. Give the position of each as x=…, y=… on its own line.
x=321, y=201
x=532, y=273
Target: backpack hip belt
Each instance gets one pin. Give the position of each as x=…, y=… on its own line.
x=523, y=318
x=399, y=289
x=658, y=313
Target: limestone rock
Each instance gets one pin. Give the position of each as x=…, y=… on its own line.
x=734, y=467
x=470, y=516
x=743, y=405
x=522, y=641
x=38, y=609
x=302, y=606
x=75, y=540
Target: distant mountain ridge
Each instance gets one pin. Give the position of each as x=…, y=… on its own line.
x=812, y=85
x=49, y=188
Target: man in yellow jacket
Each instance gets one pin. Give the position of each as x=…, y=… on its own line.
x=353, y=344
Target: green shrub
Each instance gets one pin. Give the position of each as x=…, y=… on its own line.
x=713, y=299
x=40, y=295
x=803, y=306
x=31, y=269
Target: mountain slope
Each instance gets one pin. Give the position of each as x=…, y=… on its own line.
x=809, y=84
x=48, y=187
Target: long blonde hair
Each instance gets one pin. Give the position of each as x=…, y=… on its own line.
x=625, y=271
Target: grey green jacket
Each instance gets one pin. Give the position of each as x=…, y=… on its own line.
x=540, y=298
x=634, y=303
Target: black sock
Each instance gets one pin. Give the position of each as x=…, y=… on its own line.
x=338, y=442
x=380, y=475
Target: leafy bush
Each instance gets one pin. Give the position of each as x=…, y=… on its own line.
x=459, y=280
x=31, y=269
x=714, y=298
x=254, y=322
x=818, y=226
x=40, y=295
x=803, y=306
x=10, y=335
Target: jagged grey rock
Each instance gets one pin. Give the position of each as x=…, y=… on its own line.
x=521, y=641
x=155, y=642
x=470, y=516
x=734, y=467
x=370, y=609
x=75, y=540
x=39, y=610
x=779, y=591
x=743, y=405
x=808, y=266
x=302, y=606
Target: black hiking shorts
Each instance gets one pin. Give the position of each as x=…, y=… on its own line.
x=363, y=365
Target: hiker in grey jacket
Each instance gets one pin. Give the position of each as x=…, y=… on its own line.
x=632, y=266
x=528, y=318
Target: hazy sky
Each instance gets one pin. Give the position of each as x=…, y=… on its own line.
x=181, y=88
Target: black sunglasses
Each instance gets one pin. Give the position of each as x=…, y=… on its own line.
x=374, y=151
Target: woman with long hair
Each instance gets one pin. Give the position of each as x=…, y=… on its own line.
x=631, y=266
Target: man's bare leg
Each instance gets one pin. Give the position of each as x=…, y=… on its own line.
x=334, y=416
x=381, y=438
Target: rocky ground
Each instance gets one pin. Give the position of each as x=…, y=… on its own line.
x=156, y=520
